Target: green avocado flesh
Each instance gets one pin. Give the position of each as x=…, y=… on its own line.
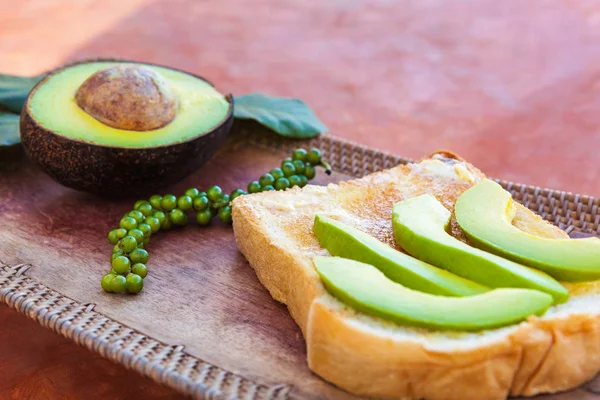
x=53, y=106
x=346, y=241
x=420, y=225
x=365, y=288
x=485, y=213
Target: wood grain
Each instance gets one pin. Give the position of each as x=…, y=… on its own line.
x=200, y=292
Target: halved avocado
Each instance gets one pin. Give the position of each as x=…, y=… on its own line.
x=119, y=128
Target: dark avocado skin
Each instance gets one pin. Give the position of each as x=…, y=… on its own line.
x=117, y=171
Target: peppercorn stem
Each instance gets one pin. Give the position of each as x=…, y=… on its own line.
x=327, y=167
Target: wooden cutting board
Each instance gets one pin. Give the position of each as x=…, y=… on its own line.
x=203, y=324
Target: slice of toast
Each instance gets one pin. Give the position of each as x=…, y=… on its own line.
x=370, y=356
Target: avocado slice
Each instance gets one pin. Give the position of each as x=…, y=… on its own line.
x=485, y=213
x=420, y=225
x=121, y=127
x=343, y=240
x=365, y=288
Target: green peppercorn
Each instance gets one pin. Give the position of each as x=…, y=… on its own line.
x=145, y=242
x=282, y=184
x=128, y=243
x=105, y=282
x=288, y=169
x=128, y=223
x=168, y=224
x=139, y=269
x=294, y=180
x=184, y=203
x=314, y=156
x=139, y=256
x=299, y=154
x=277, y=173
x=137, y=234
x=146, y=209
x=192, y=192
x=221, y=203
x=225, y=214
x=138, y=216
x=160, y=216
x=287, y=159
x=178, y=217
x=112, y=271
x=236, y=193
x=310, y=172
x=303, y=181
x=168, y=202
x=146, y=229
x=121, y=264
x=155, y=201
x=154, y=224
x=300, y=167
x=214, y=193
x=266, y=179
x=118, y=284
x=200, y=203
x=112, y=236
x=134, y=283
x=138, y=203
x=204, y=217
x=117, y=248
x=267, y=188
x=254, y=187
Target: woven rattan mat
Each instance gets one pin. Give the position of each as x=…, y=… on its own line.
x=203, y=325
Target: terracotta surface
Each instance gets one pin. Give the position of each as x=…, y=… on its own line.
x=39, y=364
x=513, y=86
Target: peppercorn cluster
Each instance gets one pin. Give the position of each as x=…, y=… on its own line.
x=161, y=213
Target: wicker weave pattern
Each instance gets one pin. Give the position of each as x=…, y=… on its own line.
x=170, y=365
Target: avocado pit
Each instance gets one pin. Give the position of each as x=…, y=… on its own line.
x=128, y=97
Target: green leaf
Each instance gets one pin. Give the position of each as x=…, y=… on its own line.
x=9, y=128
x=14, y=90
x=288, y=117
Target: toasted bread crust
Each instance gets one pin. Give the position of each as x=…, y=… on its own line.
x=538, y=356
